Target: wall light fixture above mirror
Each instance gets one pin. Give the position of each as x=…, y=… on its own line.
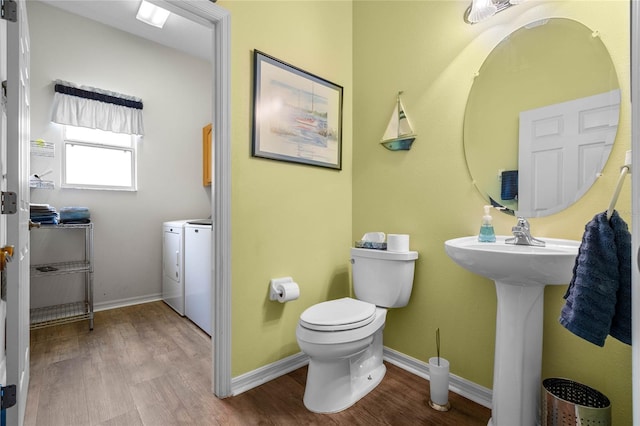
x=479, y=10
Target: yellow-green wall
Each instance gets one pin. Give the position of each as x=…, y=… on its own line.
x=300, y=221
x=287, y=219
x=425, y=49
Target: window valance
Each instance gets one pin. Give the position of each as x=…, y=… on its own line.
x=84, y=106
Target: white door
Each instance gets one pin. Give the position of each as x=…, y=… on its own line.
x=17, y=224
x=3, y=188
x=562, y=148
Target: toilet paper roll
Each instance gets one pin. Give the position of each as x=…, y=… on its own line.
x=287, y=292
x=398, y=243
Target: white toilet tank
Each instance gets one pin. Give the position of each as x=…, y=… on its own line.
x=382, y=277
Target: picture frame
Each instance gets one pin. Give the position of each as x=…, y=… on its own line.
x=297, y=116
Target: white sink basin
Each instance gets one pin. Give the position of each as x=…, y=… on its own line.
x=520, y=274
x=514, y=264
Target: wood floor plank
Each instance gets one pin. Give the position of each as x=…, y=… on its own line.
x=145, y=365
x=107, y=397
x=158, y=401
x=63, y=397
x=130, y=418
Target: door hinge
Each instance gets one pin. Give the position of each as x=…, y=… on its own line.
x=3, y=96
x=8, y=396
x=9, y=10
x=8, y=203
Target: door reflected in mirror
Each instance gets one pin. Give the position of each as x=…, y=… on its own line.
x=541, y=117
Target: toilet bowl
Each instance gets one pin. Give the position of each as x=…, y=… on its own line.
x=344, y=364
x=343, y=337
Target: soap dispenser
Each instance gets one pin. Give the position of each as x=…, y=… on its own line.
x=487, y=234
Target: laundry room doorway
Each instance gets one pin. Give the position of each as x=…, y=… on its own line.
x=114, y=285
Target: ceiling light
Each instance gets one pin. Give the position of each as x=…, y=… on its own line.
x=151, y=14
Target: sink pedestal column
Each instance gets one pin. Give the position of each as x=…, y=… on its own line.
x=517, y=367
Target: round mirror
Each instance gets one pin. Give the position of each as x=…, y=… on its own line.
x=541, y=117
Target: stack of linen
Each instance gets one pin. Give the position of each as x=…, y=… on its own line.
x=43, y=213
x=75, y=215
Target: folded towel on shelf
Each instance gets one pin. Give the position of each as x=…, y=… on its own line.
x=41, y=208
x=592, y=296
x=46, y=220
x=43, y=213
x=75, y=215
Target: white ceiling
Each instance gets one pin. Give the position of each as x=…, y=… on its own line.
x=178, y=33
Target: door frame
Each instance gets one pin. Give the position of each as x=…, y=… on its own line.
x=211, y=15
x=635, y=207
x=3, y=187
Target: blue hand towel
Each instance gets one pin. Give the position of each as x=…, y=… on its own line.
x=509, y=185
x=591, y=297
x=621, y=322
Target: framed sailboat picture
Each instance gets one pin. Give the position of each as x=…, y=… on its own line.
x=297, y=116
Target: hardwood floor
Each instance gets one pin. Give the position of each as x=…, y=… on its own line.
x=145, y=365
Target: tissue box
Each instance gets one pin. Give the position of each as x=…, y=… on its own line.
x=371, y=245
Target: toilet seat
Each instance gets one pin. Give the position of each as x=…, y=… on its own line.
x=338, y=315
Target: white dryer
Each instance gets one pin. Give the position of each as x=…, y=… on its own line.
x=173, y=264
x=198, y=272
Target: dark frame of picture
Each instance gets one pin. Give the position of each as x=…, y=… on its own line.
x=297, y=116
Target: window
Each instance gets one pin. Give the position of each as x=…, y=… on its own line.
x=95, y=159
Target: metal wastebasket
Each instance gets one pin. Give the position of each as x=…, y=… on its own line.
x=565, y=402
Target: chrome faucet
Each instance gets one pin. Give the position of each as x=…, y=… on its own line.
x=522, y=235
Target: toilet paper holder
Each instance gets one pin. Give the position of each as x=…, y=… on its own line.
x=274, y=292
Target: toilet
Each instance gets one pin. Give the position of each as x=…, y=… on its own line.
x=343, y=337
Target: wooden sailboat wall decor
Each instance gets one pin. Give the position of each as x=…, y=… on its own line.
x=399, y=135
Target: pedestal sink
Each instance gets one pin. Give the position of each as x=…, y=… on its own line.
x=520, y=274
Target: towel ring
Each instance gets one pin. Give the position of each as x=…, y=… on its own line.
x=623, y=172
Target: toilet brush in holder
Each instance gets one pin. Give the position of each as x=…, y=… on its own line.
x=439, y=380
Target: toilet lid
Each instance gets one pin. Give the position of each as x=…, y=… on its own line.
x=338, y=315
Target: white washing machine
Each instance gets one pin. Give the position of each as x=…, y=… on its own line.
x=173, y=264
x=198, y=272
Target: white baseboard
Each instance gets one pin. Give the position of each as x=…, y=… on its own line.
x=463, y=387
x=113, y=304
x=472, y=391
x=267, y=373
